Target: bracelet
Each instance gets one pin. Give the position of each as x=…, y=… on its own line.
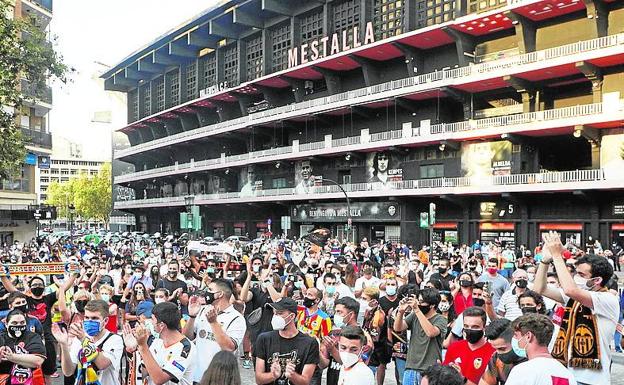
x=545, y=263
x=192, y=316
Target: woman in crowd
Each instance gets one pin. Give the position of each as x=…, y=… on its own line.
x=105, y=293
x=21, y=352
x=137, y=296
x=223, y=370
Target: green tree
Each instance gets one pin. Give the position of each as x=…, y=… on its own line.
x=61, y=195
x=25, y=53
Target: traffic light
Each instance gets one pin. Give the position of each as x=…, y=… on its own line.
x=432, y=214
x=424, y=220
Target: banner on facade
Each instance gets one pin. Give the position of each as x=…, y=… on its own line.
x=337, y=212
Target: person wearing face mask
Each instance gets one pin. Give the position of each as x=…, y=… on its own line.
x=160, y=296
x=366, y=280
x=22, y=351
x=427, y=329
x=105, y=293
x=532, y=332
x=40, y=307
x=285, y=355
x=166, y=356
x=350, y=346
x=443, y=274
x=94, y=354
x=314, y=322
x=508, y=304
x=214, y=326
x=137, y=295
x=470, y=355
x=375, y=325
x=19, y=301
x=463, y=297
x=496, y=282
x=499, y=333
x=589, y=309
x=175, y=286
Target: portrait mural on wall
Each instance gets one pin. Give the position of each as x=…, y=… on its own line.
x=305, y=180
x=486, y=159
x=383, y=169
x=612, y=154
x=251, y=183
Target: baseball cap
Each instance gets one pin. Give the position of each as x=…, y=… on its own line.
x=283, y=304
x=145, y=308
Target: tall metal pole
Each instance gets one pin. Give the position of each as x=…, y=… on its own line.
x=349, y=220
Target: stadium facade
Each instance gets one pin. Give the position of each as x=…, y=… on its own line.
x=507, y=114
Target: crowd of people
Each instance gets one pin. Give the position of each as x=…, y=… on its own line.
x=310, y=311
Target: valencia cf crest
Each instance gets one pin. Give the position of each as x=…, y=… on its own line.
x=478, y=362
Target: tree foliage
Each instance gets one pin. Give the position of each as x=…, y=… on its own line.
x=25, y=53
x=91, y=195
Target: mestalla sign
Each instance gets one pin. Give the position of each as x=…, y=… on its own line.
x=330, y=45
x=337, y=212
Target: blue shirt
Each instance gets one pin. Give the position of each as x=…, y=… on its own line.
x=33, y=324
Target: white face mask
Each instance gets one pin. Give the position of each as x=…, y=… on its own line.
x=531, y=277
x=349, y=359
x=278, y=322
x=444, y=306
x=583, y=283
x=159, y=300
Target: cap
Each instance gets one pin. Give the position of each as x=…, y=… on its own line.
x=284, y=304
x=145, y=308
x=318, y=237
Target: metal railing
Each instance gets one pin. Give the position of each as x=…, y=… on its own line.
x=436, y=129
x=37, y=138
x=542, y=178
x=425, y=80
x=44, y=94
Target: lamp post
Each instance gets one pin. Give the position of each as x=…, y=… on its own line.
x=37, y=215
x=349, y=219
x=189, y=200
x=72, y=209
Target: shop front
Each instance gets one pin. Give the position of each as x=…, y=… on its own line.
x=498, y=232
x=617, y=234
x=374, y=220
x=446, y=232
x=571, y=233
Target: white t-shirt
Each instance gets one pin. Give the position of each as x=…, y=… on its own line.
x=176, y=360
x=607, y=311
x=362, y=282
x=359, y=374
x=541, y=371
x=112, y=347
x=233, y=324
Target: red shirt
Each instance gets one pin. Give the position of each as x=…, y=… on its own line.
x=472, y=362
x=461, y=303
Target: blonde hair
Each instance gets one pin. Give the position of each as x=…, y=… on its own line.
x=107, y=288
x=372, y=292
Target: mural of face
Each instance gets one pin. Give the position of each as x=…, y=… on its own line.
x=391, y=210
x=306, y=170
x=251, y=175
x=382, y=162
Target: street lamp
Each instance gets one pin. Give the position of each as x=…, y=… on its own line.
x=72, y=209
x=349, y=220
x=37, y=216
x=189, y=200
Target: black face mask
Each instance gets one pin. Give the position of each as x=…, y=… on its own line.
x=424, y=308
x=37, y=291
x=308, y=302
x=465, y=283
x=442, y=270
x=473, y=336
x=529, y=309
x=210, y=297
x=80, y=305
x=472, y=267
x=510, y=357
x=23, y=308
x=522, y=283
x=173, y=274
x=478, y=301
x=16, y=331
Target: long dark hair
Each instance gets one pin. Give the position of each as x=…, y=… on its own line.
x=223, y=370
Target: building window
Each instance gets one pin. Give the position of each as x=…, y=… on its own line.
x=311, y=28
x=230, y=65
x=280, y=39
x=478, y=6
x=431, y=12
x=147, y=100
x=191, y=81
x=279, y=183
x=159, y=90
x=346, y=15
x=133, y=105
x=19, y=183
x=210, y=70
x=174, y=87
x=388, y=18
x=254, y=58
x=432, y=171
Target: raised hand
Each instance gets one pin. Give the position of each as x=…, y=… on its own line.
x=129, y=340
x=553, y=248
x=211, y=314
x=59, y=334
x=194, y=306
x=77, y=331
x=141, y=334
x=276, y=369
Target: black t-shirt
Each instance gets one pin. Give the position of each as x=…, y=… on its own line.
x=301, y=349
x=445, y=280
x=29, y=343
x=41, y=309
x=259, y=299
x=387, y=305
x=333, y=370
x=172, y=286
